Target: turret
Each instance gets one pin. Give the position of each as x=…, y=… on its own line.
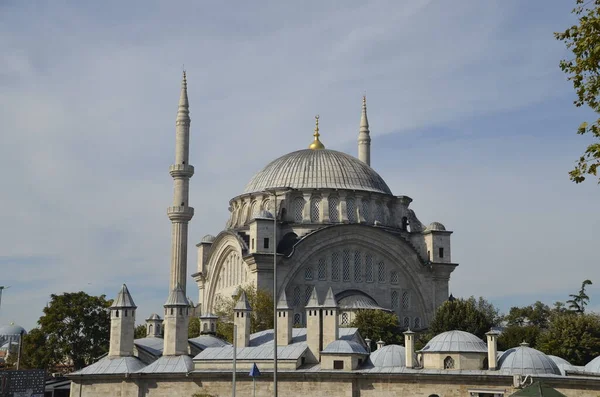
x=284, y=321
x=437, y=241
x=241, y=319
x=330, y=319
x=122, y=324
x=261, y=233
x=364, y=136
x=176, y=323
x=313, y=326
x=208, y=324
x=154, y=326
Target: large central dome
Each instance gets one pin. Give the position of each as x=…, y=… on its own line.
x=318, y=169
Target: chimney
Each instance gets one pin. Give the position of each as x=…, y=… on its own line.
x=284, y=321
x=241, y=320
x=368, y=342
x=330, y=319
x=492, y=345
x=409, y=348
x=313, y=326
x=380, y=344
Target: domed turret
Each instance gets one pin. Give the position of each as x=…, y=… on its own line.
x=524, y=360
x=390, y=356
x=455, y=342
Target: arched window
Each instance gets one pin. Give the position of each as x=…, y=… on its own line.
x=405, y=300
x=406, y=322
x=346, y=265
x=394, y=277
x=254, y=209
x=345, y=319
x=244, y=214
x=381, y=272
x=417, y=323
x=266, y=205
x=308, y=273
x=307, y=294
x=404, y=223
x=379, y=213
x=357, y=267
x=334, y=212
x=351, y=210
x=205, y=327
x=212, y=327
x=297, y=296
x=298, y=209
x=150, y=329
x=395, y=299
x=448, y=363
x=335, y=266
x=322, y=269
x=297, y=319
x=315, y=204
x=369, y=268
x=366, y=211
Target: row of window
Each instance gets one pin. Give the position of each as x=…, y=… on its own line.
x=233, y=272
x=351, y=268
x=345, y=320
x=396, y=303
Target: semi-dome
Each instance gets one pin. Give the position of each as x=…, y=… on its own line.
x=317, y=169
x=154, y=316
x=455, y=342
x=209, y=238
x=524, y=360
x=354, y=299
x=593, y=366
x=390, y=356
x=436, y=226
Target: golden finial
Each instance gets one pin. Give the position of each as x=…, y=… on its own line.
x=317, y=144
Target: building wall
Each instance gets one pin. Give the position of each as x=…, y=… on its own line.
x=461, y=360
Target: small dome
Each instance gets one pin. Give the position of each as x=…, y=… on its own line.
x=154, y=316
x=389, y=356
x=436, y=226
x=11, y=330
x=455, y=342
x=345, y=347
x=524, y=360
x=263, y=214
x=593, y=366
x=209, y=238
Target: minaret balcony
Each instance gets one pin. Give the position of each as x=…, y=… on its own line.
x=180, y=213
x=181, y=170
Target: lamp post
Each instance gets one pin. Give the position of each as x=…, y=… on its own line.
x=275, y=192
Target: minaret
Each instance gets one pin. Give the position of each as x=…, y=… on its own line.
x=364, y=136
x=180, y=213
x=122, y=324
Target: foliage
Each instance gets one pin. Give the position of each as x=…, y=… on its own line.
x=74, y=330
x=513, y=335
x=579, y=301
x=378, y=325
x=583, y=71
x=536, y=315
x=261, y=318
x=464, y=315
x=574, y=337
x=194, y=327
x=140, y=331
x=491, y=312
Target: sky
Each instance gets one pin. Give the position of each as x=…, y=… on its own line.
x=469, y=115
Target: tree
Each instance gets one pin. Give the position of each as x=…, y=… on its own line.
x=583, y=71
x=536, y=315
x=74, y=330
x=574, y=337
x=461, y=315
x=194, y=327
x=513, y=335
x=140, y=331
x=378, y=325
x=579, y=301
x=261, y=318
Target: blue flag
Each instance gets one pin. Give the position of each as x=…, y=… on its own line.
x=254, y=372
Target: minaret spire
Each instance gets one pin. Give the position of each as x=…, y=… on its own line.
x=180, y=213
x=364, y=136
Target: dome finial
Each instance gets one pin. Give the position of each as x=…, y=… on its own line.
x=317, y=144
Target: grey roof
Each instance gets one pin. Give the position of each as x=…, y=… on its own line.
x=242, y=303
x=456, y=342
x=562, y=364
x=124, y=300
x=342, y=346
x=330, y=300
x=116, y=365
x=282, y=303
x=524, y=360
x=190, y=302
x=12, y=329
x=264, y=214
x=153, y=346
x=593, y=366
x=316, y=169
x=208, y=315
x=313, y=301
x=154, y=316
x=262, y=352
x=205, y=341
x=299, y=335
x=389, y=356
x=436, y=226
x=177, y=297
x=170, y=365
x=358, y=301
x=208, y=238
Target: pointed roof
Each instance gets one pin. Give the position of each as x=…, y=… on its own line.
x=177, y=297
x=330, y=300
x=282, y=303
x=154, y=316
x=242, y=303
x=124, y=300
x=538, y=389
x=183, y=112
x=364, y=121
x=313, y=302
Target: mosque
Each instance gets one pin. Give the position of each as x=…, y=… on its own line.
x=341, y=242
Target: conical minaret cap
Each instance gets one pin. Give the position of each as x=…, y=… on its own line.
x=177, y=297
x=124, y=300
x=330, y=302
x=364, y=121
x=242, y=303
x=183, y=112
x=282, y=303
x=313, y=302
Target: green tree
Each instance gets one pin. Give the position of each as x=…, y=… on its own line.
x=536, y=315
x=579, y=301
x=74, y=330
x=194, y=327
x=262, y=311
x=378, y=325
x=512, y=336
x=576, y=338
x=583, y=70
x=461, y=315
x=140, y=331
